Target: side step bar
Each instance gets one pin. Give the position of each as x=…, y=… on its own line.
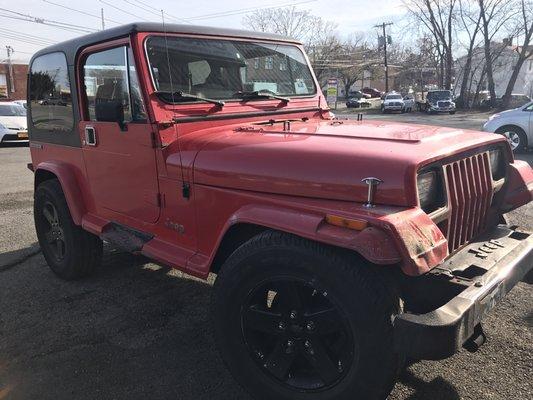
x=125, y=237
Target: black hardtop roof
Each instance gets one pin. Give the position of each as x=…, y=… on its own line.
x=71, y=47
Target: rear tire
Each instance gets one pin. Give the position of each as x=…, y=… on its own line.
x=364, y=306
x=70, y=252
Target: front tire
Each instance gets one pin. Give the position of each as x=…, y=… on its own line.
x=295, y=320
x=70, y=252
x=515, y=136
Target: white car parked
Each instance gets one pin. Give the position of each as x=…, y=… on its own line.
x=516, y=125
x=393, y=102
x=13, y=124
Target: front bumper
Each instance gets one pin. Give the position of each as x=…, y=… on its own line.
x=503, y=257
x=442, y=109
x=12, y=136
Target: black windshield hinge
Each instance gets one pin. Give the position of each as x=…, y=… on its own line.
x=186, y=190
x=153, y=137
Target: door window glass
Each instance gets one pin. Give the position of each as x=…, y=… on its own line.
x=111, y=86
x=50, y=98
x=137, y=102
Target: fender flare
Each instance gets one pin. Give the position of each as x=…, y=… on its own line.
x=69, y=184
x=372, y=243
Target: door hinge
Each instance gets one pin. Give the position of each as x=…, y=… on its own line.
x=186, y=190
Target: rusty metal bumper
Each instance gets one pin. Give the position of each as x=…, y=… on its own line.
x=504, y=257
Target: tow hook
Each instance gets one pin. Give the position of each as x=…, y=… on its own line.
x=476, y=340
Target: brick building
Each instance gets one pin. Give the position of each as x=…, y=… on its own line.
x=13, y=88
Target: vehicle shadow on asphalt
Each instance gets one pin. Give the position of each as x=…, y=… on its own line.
x=437, y=389
x=135, y=330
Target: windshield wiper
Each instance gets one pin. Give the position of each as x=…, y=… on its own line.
x=177, y=95
x=258, y=94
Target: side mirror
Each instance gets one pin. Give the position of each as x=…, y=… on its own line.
x=110, y=111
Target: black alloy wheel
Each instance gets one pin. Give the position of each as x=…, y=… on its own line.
x=297, y=320
x=55, y=236
x=297, y=335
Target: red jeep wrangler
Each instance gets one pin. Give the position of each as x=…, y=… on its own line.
x=340, y=247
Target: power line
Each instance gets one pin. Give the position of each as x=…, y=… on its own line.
x=121, y=10
x=18, y=51
x=43, y=21
x=152, y=10
x=18, y=39
x=27, y=35
x=159, y=11
x=82, y=12
x=245, y=10
x=24, y=39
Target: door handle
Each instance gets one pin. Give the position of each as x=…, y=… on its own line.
x=90, y=136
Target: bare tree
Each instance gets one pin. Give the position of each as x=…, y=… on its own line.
x=352, y=60
x=318, y=36
x=291, y=22
x=438, y=17
x=470, y=23
x=495, y=15
x=524, y=51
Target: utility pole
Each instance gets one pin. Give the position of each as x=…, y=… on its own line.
x=10, y=51
x=383, y=26
x=102, y=15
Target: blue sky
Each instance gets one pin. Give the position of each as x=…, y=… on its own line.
x=26, y=37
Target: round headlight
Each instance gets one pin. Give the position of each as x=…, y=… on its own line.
x=496, y=161
x=428, y=190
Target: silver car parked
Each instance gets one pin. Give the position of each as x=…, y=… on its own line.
x=516, y=125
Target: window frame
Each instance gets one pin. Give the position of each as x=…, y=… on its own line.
x=80, y=78
x=47, y=134
x=153, y=86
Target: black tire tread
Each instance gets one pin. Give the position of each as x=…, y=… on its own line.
x=377, y=284
x=88, y=248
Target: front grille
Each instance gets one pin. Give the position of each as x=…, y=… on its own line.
x=444, y=104
x=469, y=185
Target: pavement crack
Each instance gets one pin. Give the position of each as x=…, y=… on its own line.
x=14, y=263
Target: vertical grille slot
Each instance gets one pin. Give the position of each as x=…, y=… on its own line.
x=469, y=186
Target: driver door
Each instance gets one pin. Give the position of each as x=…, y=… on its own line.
x=118, y=149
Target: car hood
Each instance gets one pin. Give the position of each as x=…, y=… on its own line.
x=393, y=101
x=326, y=159
x=14, y=122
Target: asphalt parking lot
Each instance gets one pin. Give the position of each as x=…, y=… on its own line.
x=139, y=331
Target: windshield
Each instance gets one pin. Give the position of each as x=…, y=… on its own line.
x=439, y=95
x=12, y=110
x=224, y=69
x=394, y=97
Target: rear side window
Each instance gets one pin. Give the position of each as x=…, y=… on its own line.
x=50, y=97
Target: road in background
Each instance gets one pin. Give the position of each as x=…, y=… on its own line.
x=139, y=331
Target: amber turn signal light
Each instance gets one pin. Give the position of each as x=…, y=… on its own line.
x=356, y=224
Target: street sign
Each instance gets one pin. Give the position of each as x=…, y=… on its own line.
x=332, y=92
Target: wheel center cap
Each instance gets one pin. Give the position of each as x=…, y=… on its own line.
x=296, y=329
